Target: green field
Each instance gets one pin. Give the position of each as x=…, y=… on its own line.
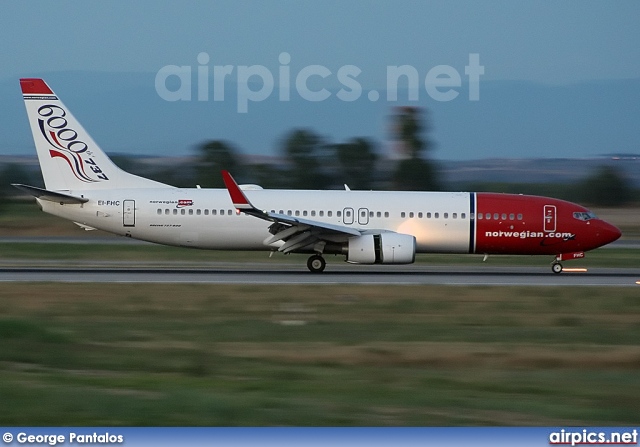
x=124, y=354
x=121, y=354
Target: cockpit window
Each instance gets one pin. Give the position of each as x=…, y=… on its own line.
x=584, y=215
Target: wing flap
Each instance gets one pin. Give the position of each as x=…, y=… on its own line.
x=284, y=234
x=298, y=241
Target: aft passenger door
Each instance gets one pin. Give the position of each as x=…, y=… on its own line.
x=129, y=213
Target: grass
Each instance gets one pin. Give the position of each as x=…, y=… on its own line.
x=118, y=354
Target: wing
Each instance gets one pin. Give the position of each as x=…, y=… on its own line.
x=296, y=233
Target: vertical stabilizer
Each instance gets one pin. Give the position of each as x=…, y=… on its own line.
x=69, y=158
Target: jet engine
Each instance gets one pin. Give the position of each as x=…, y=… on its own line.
x=384, y=248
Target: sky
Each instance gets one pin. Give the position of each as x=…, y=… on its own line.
x=544, y=43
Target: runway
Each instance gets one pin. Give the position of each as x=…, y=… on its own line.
x=282, y=274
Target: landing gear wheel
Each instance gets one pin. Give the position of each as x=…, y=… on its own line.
x=316, y=264
x=556, y=267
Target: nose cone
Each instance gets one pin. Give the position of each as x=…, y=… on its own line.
x=607, y=233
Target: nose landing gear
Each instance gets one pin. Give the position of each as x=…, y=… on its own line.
x=556, y=267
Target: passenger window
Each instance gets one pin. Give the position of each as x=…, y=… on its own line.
x=370, y=213
x=175, y=211
x=479, y=216
x=496, y=216
x=206, y=212
x=289, y=213
x=222, y=212
x=281, y=211
x=419, y=215
x=166, y=211
x=504, y=216
x=436, y=215
x=402, y=214
x=386, y=214
x=378, y=214
x=512, y=216
x=304, y=213
x=411, y=215
x=313, y=213
x=464, y=216
x=190, y=212
x=488, y=216
x=338, y=213
x=519, y=216
x=446, y=215
x=297, y=213
x=328, y=213
x=198, y=212
x=321, y=213
x=183, y=211
x=455, y=215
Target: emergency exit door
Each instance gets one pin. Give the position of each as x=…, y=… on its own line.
x=129, y=213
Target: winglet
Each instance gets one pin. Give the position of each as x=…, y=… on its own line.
x=238, y=198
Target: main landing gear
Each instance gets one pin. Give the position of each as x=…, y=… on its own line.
x=316, y=264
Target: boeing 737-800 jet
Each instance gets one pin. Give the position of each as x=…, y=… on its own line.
x=368, y=227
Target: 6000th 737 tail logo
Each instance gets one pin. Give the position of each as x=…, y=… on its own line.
x=65, y=144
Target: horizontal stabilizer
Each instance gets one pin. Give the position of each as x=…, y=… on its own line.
x=50, y=196
x=84, y=227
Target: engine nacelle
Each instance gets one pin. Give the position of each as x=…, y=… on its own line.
x=384, y=248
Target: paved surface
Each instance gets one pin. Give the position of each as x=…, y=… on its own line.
x=243, y=273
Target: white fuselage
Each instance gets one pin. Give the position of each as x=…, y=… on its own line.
x=206, y=218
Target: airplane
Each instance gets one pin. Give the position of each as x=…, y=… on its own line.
x=367, y=227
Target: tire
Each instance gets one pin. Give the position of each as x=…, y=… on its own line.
x=316, y=264
x=556, y=267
